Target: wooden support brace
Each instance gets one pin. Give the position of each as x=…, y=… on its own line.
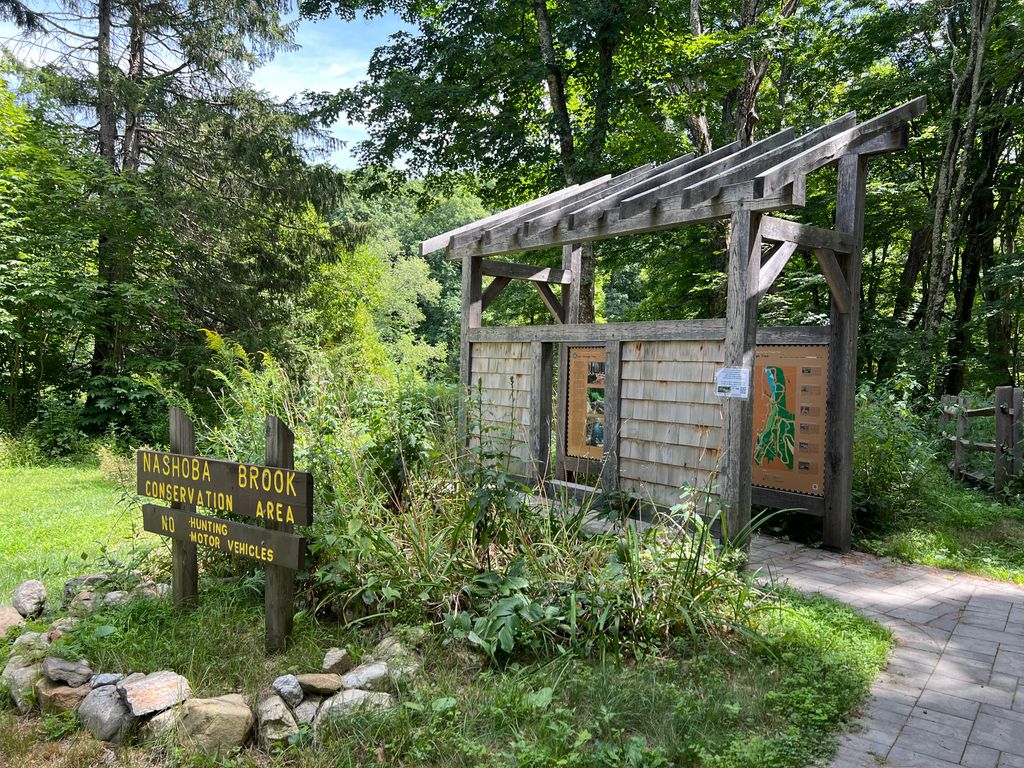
x=493, y=290
x=525, y=272
x=551, y=301
x=834, y=277
x=804, y=235
x=772, y=268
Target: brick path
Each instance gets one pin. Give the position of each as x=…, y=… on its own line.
x=953, y=693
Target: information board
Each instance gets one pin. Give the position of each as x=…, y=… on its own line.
x=789, y=418
x=585, y=431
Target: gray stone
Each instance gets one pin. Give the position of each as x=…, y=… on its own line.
x=306, y=712
x=374, y=676
x=9, y=619
x=337, y=661
x=155, y=692
x=74, y=586
x=55, y=698
x=164, y=726
x=162, y=590
x=276, y=722
x=30, y=598
x=31, y=645
x=217, y=725
x=105, y=716
x=107, y=678
x=388, y=648
x=84, y=602
x=320, y=683
x=19, y=678
x=347, y=702
x=74, y=673
x=115, y=598
x=61, y=627
x=288, y=688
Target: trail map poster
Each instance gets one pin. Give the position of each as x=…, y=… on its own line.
x=789, y=418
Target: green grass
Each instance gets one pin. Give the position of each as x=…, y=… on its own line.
x=777, y=703
x=50, y=517
x=956, y=527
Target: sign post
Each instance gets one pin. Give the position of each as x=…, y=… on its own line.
x=275, y=494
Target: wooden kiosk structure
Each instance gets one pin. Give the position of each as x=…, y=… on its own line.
x=653, y=406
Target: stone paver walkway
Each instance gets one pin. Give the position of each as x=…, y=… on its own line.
x=953, y=693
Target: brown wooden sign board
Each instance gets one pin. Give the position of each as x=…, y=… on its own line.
x=266, y=493
x=284, y=550
x=789, y=386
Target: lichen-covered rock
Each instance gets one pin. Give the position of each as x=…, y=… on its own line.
x=31, y=646
x=388, y=648
x=105, y=716
x=306, y=712
x=9, y=619
x=217, y=725
x=107, y=678
x=146, y=694
x=61, y=627
x=19, y=678
x=374, y=676
x=75, y=586
x=337, y=661
x=115, y=598
x=320, y=683
x=276, y=722
x=56, y=698
x=347, y=702
x=29, y=598
x=84, y=602
x=288, y=688
x=74, y=673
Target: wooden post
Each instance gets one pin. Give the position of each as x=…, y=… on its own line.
x=946, y=402
x=572, y=259
x=472, y=314
x=1003, y=469
x=1018, y=431
x=740, y=344
x=540, y=409
x=185, y=567
x=612, y=404
x=279, y=593
x=840, y=400
x=959, y=448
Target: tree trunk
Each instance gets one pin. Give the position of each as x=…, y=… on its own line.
x=555, y=79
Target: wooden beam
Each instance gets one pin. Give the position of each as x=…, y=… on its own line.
x=737, y=453
x=493, y=290
x=893, y=141
x=804, y=235
x=279, y=589
x=572, y=262
x=829, y=151
x=657, y=330
x=835, y=278
x=539, y=431
x=184, y=560
x=551, y=301
x=612, y=410
x=525, y=272
x=841, y=390
x=772, y=268
x=648, y=199
x=472, y=316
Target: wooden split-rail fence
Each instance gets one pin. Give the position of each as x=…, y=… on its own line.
x=1008, y=448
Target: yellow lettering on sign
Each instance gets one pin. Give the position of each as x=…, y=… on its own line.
x=291, y=484
x=167, y=523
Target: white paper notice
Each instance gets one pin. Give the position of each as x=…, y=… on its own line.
x=732, y=382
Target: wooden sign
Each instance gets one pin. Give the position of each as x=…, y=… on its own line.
x=266, y=493
x=789, y=418
x=285, y=550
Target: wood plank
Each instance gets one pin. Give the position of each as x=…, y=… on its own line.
x=658, y=330
x=1018, y=431
x=1003, y=468
x=540, y=408
x=279, y=588
x=771, y=269
x=973, y=445
x=681, y=351
x=640, y=411
x=832, y=149
x=841, y=390
x=525, y=272
x=612, y=429
x=471, y=317
x=835, y=278
x=693, y=371
x=551, y=301
x=804, y=235
x=652, y=198
x=797, y=502
x=184, y=562
x=493, y=290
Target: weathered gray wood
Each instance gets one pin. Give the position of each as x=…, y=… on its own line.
x=612, y=428
x=832, y=149
x=762, y=160
x=539, y=434
x=798, y=502
x=184, y=562
x=525, y=272
x=1003, y=469
x=960, y=439
x=572, y=262
x=973, y=445
x=493, y=290
x=658, y=330
x=646, y=200
x=804, y=235
x=561, y=410
x=472, y=314
x=279, y=591
x=842, y=360
x=551, y=301
x=891, y=141
x=835, y=278
x=1017, y=452
x=772, y=268
x=740, y=343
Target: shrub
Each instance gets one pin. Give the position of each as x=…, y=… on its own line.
x=56, y=428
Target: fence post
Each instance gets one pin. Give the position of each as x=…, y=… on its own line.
x=959, y=449
x=1004, y=437
x=1017, y=450
x=944, y=417
x=184, y=563
x=279, y=592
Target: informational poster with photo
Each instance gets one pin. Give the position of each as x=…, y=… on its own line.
x=585, y=437
x=789, y=418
